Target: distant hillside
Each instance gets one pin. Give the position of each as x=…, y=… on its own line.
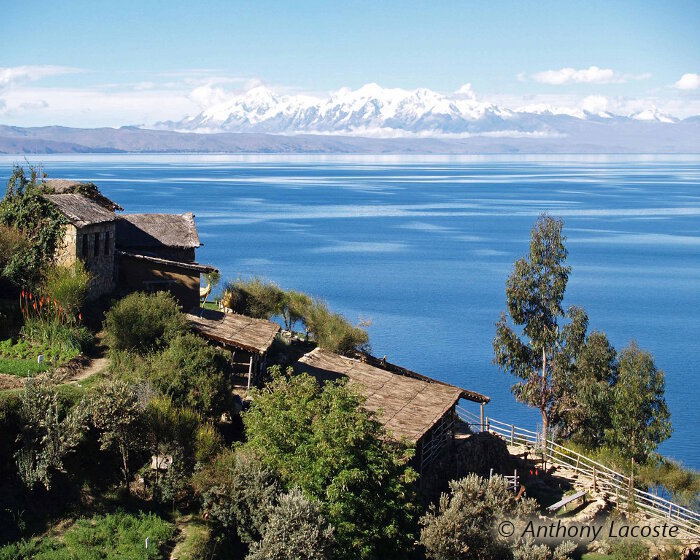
x=573, y=135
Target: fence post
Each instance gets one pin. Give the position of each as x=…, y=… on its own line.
x=515, y=480
x=512, y=434
x=594, y=481
x=482, y=417
x=488, y=426
x=578, y=458
x=490, y=473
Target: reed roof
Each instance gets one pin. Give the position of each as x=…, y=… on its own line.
x=194, y=266
x=231, y=329
x=408, y=407
x=80, y=210
x=157, y=230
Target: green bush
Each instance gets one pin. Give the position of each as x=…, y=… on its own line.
x=143, y=323
x=254, y=298
x=629, y=550
x=333, y=332
x=237, y=491
x=115, y=536
x=323, y=441
x=296, y=528
x=24, y=208
x=193, y=374
x=68, y=285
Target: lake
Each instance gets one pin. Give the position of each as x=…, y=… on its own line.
x=422, y=247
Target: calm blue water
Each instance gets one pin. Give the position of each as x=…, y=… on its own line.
x=423, y=247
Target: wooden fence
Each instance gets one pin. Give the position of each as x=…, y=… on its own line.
x=619, y=488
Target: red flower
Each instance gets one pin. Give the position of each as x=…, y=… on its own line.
x=23, y=293
x=80, y=316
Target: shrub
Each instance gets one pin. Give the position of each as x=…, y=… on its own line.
x=24, y=208
x=114, y=411
x=333, y=332
x=461, y=527
x=254, y=298
x=237, y=491
x=48, y=433
x=209, y=443
x=192, y=373
x=144, y=322
x=68, y=285
x=322, y=440
x=296, y=528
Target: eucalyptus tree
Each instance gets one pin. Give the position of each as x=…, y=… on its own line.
x=535, y=290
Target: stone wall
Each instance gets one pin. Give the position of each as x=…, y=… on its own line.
x=94, y=245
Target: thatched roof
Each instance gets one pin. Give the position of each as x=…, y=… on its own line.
x=196, y=267
x=157, y=230
x=246, y=333
x=87, y=189
x=407, y=407
x=80, y=210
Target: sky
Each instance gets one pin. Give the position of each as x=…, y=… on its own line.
x=87, y=63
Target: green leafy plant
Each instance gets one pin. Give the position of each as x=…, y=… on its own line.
x=322, y=441
x=67, y=286
x=143, y=323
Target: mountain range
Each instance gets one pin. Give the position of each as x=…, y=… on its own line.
x=374, y=120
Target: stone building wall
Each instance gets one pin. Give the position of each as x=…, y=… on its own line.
x=94, y=245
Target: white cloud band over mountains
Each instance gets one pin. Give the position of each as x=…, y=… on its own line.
x=217, y=103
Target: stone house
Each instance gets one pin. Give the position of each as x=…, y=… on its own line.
x=129, y=252
x=157, y=252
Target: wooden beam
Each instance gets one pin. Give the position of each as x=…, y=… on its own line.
x=250, y=371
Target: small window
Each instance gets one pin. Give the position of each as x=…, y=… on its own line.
x=106, y=243
x=84, y=249
x=97, y=244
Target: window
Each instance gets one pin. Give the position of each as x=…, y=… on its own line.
x=97, y=244
x=106, y=243
x=84, y=249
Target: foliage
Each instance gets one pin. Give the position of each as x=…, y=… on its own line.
x=266, y=300
x=296, y=528
x=333, y=332
x=586, y=399
x=254, y=297
x=48, y=433
x=13, y=242
x=25, y=209
x=640, y=419
x=629, y=550
x=535, y=290
x=109, y=537
x=527, y=549
x=144, y=322
x=208, y=443
x=324, y=442
x=115, y=412
x=296, y=307
x=172, y=430
x=462, y=526
x=193, y=374
x=237, y=491
x=68, y=285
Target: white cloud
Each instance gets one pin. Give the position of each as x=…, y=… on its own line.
x=688, y=81
x=10, y=76
x=206, y=96
x=590, y=75
x=595, y=104
x=466, y=91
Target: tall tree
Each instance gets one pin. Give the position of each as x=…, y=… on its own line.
x=640, y=418
x=535, y=290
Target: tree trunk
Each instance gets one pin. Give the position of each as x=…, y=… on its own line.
x=125, y=466
x=543, y=398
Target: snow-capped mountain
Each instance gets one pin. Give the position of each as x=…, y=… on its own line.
x=391, y=112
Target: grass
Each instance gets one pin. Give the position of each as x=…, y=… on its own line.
x=16, y=358
x=21, y=367
x=109, y=537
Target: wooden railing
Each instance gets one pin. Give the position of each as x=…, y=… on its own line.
x=619, y=487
